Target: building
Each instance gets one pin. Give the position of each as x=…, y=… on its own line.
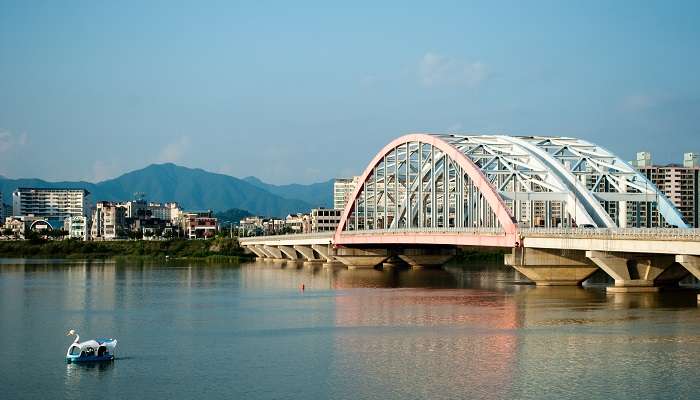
x=164, y=211
x=21, y=224
x=273, y=226
x=342, y=189
x=108, y=221
x=154, y=228
x=198, y=224
x=679, y=182
x=54, y=205
x=250, y=226
x=76, y=227
x=135, y=209
x=297, y=223
x=325, y=219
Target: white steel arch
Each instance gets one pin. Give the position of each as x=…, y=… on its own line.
x=417, y=182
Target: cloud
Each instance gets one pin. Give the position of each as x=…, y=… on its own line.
x=436, y=70
x=103, y=170
x=173, y=152
x=10, y=141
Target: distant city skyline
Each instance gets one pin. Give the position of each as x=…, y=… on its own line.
x=308, y=92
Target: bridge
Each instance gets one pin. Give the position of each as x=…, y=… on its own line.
x=561, y=207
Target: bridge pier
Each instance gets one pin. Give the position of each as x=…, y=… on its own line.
x=274, y=252
x=426, y=257
x=289, y=252
x=325, y=251
x=307, y=252
x=634, y=273
x=361, y=258
x=548, y=267
x=255, y=251
x=266, y=255
x=692, y=264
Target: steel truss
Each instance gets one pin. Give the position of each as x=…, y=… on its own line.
x=544, y=181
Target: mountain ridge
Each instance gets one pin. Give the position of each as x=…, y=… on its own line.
x=193, y=188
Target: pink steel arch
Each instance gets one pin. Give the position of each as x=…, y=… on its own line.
x=494, y=200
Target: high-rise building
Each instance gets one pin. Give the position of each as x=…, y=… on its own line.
x=54, y=205
x=108, y=221
x=342, y=189
x=680, y=183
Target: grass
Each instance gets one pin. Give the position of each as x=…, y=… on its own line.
x=222, y=249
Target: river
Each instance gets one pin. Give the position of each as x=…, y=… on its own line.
x=196, y=330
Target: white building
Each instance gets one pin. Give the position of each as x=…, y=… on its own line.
x=297, y=223
x=77, y=227
x=325, y=219
x=250, y=226
x=342, y=189
x=108, y=221
x=55, y=205
x=165, y=211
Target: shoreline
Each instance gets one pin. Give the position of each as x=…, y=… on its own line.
x=217, y=249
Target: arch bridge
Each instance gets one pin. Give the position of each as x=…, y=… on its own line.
x=423, y=195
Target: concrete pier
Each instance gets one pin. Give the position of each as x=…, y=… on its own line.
x=361, y=258
x=426, y=257
x=548, y=267
x=633, y=273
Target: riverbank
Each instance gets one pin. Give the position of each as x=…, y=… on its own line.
x=221, y=249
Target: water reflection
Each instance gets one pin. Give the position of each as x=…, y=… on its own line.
x=462, y=331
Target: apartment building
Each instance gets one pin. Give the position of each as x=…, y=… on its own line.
x=198, y=224
x=108, y=221
x=325, y=219
x=679, y=182
x=76, y=227
x=342, y=189
x=54, y=205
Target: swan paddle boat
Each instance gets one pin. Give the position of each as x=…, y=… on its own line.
x=100, y=349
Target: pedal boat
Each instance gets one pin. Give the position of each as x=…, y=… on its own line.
x=100, y=349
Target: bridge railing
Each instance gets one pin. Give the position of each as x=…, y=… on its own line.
x=467, y=231
x=615, y=233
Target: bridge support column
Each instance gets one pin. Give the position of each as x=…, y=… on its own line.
x=266, y=255
x=361, y=258
x=274, y=252
x=255, y=251
x=633, y=273
x=307, y=252
x=692, y=264
x=548, y=267
x=426, y=258
x=325, y=252
x=289, y=252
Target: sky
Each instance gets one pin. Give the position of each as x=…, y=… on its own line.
x=307, y=91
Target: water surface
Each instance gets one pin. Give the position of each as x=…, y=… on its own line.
x=189, y=330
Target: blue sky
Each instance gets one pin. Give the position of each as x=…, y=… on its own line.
x=307, y=91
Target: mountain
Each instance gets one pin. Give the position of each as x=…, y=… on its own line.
x=233, y=215
x=192, y=188
x=316, y=194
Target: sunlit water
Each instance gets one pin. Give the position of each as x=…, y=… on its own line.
x=248, y=332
